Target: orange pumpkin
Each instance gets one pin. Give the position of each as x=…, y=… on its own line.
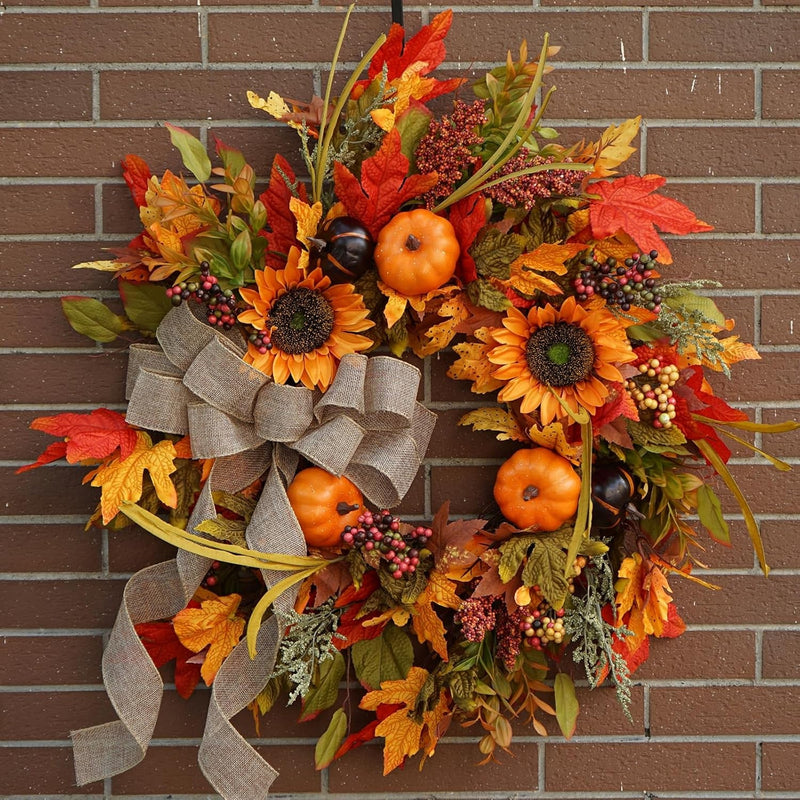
x=537, y=489
x=417, y=251
x=323, y=505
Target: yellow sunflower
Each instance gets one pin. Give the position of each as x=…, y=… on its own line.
x=307, y=324
x=570, y=350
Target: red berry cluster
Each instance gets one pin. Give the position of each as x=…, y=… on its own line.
x=543, y=626
x=381, y=533
x=630, y=285
x=261, y=340
x=211, y=578
x=220, y=303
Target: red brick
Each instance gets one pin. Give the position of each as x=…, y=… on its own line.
x=61, y=604
x=655, y=94
x=454, y=767
x=781, y=444
x=120, y=213
x=25, y=444
x=41, y=771
x=772, y=377
x=722, y=710
x=92, y=151
x=37, y=323
x=275, y=36
x=733, y=36
x=779, y=767
x=414, y=501
x=780, y=94
x=32, y=660
x=700, y=654
x=781, y=654
x=43, y=266
x=476, y=37
x=779, y=538
x=601, y=713
x=86, y=38
x=775, y=601
x=54, y=378
x=59, y=95
x=706, y=152
x=780, y=208
x=260, y=144
x=469, y=489
x=198, y=94
x=447, y=390
x=650, y=766
x=174, y=770
x=729, y=207
x=50, y=548
x=52, y=715
x=767, y=491
x=132, y=549
x=742, y=264
x=70, y=209
x=778, y=325
x=740, y=308
x=453, y=441
x=51, y=490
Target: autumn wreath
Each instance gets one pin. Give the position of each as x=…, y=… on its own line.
x=273, y=423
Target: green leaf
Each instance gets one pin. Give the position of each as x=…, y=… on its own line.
x=91, y=318
x=389, y=657
x=495, y=251
x=690, y=304
x=412, y=126
x=224, y=529
x=329, y=742
x=646, y=435
x=482, y=293
x=513, y=551
x=592, y=548
x=710, y=513
x=566, y=704
x=241, y=506
x=186, y=479
x=194, y=155
x=547, y=564
x=268, y=696
x=547, y=133
x=232, y=159
x=241, y=250
x=146, y=304
x=325, y=689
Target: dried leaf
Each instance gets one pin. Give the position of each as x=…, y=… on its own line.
x=330, y=741
x=495, y=419
x=552, y=436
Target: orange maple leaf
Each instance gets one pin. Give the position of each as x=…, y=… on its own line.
x=628, y=204
x=613, y=148
x=473, y=363
x=643, y=590
x=121, y=478
x=214, y=625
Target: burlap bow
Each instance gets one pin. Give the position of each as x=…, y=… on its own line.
x=368, y=426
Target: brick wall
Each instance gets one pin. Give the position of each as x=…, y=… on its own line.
x=82, y=84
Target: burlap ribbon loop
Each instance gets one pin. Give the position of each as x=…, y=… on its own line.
x=368, y=426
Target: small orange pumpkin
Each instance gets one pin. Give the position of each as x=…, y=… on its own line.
x=537, y=489
x=323, y=505
x=417, y=251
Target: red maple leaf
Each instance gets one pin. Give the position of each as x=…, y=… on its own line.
x=368, y=731
x=282, y=234
x=628, y=204
x=87, y=436
x=136, y=174
x=162, y=644
x=468, y=217
x=385, y=185
x=425, y=49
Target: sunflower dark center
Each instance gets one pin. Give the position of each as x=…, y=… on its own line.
x=560, y=354
x=301, y=321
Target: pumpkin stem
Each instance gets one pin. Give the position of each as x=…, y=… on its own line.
x=412, y=243
x=345, y=508
x=530, y=492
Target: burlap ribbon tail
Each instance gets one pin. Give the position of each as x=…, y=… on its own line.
x=368, y=426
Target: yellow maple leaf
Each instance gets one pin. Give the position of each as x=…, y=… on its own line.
x=383, y=118
x=612, y=149
x=495, y=419
x=274, y=105
x=428, y=626
x=308, y=218
x=548, y=257
x=213, y=625
x=454, y=310
x=400, y=731
x=552, y=436
x=435, y=723
x=643, y=591
x=473, y=363
x=396, y=302
x=121, y=479
x=734, y=351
